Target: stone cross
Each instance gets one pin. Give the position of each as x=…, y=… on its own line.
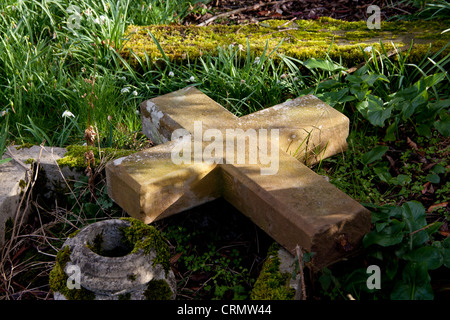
x=204, y=152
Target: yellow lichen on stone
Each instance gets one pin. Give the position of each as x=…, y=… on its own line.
x=301, y=39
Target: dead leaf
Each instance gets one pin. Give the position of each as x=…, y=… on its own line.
x=411, y=143
x=436, y=206
x=175, y=258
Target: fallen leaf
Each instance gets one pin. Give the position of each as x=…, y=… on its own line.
x=411, y=143
x=175, y=258
x=436, y=206
x=425, y=187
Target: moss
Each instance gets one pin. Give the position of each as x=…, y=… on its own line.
x=271, y=283
x=141, y=236
x=73, y=234
x=25, y=145
x=308, y=39
x=74, y=157
x=29, y=161
x=96, y=246
x=58, y=279
x=22, y=184
x=158, y=290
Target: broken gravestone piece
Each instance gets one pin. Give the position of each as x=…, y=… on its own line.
x=118, y=259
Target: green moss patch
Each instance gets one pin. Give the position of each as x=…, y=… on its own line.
x=158, y=290
x=58, y=279
x=141, y=236
x=74, y=157
x=271, y=283
x=304, y=39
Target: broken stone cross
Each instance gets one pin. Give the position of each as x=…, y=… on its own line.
x=204, y=152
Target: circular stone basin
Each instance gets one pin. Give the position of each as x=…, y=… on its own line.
x=108, y=267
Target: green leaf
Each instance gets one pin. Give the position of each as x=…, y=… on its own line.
x=446, y=257
x=433, y=178
x=424, y=130
x=438, y=169
x=374, y=111
x=383, y=174
x=415, y=284
x=443, y=126
x=322, y=64
x=431, y=256
x=401, y=179
x=374, y=154
x=371, y=78
x=389, y=236
x=413, y=214
x=5, y=160
x=359, y=93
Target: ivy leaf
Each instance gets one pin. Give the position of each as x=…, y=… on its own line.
x=415, y=283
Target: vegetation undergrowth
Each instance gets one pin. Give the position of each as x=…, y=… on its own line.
x=396, y=163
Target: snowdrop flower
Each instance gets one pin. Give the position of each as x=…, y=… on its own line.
x=242, y=81
x=125, y=90
x=124, y=78
x=134, y=93
x=88, y=12
x=137, y=112
x=256, y=60
x=101, y=20
x=3, y=113
x=368, y=49
x=171, y=74
x=67, y=114
x=192, y=79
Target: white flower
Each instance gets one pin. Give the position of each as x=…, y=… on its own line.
x=3, y=113
x=171, y=74
x=137, y=112
x=101, y=20
x=192, y=79
x=125, y=90
x=67, y=114
x=134, y=93
x=256, y=60
x=88, y=12
x=242, y=81
x=368, y=49
x=124, y=78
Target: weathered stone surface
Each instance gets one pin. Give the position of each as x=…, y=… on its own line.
x=112, y=277
x=15, y=174
x=291, y=203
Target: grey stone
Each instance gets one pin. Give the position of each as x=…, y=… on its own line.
x=110, y=277
x=15, y=175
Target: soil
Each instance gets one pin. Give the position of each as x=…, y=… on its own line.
x=255, y=11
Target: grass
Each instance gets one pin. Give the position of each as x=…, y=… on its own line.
x=398, y=144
